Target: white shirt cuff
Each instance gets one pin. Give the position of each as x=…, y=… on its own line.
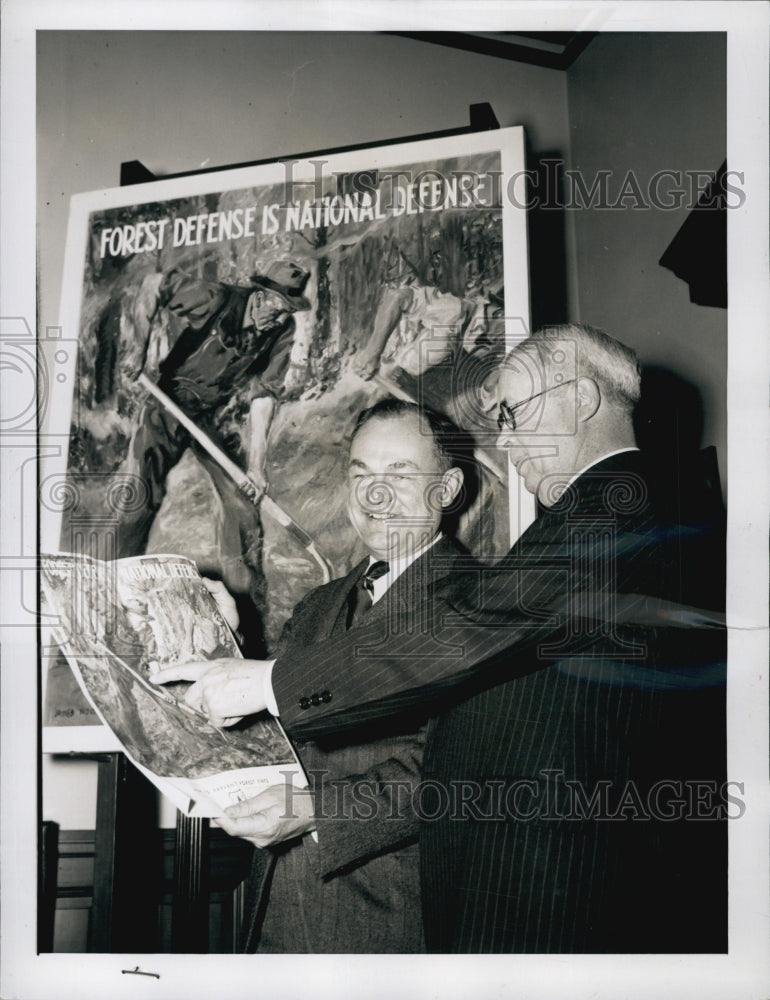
x=267, y=680
x=272, y=706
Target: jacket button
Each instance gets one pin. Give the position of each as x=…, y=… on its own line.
x=304, y=703
x=326, y=696
x=316, y=698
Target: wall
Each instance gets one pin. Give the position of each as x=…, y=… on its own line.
x=180, y=101
x=646, y=103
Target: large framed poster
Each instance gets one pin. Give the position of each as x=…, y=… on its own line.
x=230, y=326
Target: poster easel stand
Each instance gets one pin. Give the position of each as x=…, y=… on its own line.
x=126, y=861
x=116, y=833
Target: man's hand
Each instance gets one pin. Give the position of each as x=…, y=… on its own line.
x=225, y=690
x=254, y=486
x=225, y=602
x=279, y=813
x=364, y=365
x=261, y=411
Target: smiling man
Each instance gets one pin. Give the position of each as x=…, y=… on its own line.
x=401, y=480
x=345, y=874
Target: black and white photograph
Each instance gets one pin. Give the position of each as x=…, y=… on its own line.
x=386, y=487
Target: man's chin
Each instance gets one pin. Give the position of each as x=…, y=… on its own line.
x=551, y=489
x=529, y=477
x=536, y=483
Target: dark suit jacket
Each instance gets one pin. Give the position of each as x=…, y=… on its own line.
x=357, y=888
x=580, y=668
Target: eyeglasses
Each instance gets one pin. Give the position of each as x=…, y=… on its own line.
x=507, y=414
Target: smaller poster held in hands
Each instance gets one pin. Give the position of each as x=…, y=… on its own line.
x=118, y=623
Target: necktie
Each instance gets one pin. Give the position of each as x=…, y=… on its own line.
x=361, y=595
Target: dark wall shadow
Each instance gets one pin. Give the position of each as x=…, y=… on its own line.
x=669, y=417
x=685, y=478
x=669, y=427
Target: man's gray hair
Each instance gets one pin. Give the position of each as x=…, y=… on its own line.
x=610, y=363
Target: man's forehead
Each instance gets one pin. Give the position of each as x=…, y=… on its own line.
x=407, y=423
x=398, y=438
x=521, y=374
x=524, y=374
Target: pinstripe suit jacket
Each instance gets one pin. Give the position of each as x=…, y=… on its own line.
x=575, y=669
x=357, y=888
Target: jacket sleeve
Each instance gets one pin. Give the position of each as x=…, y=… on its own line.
x=362, y=815
x=473, y=618
x=537, y=606
x=398, y=665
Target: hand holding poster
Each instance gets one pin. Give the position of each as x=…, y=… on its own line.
x=118, y=624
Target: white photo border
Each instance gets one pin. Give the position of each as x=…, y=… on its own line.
x=745, y=972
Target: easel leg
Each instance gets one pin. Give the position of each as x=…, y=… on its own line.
x=126, y=860
x=190, y=914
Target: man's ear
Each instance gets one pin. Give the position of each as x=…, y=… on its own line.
x=589, y=398
x=451, y=484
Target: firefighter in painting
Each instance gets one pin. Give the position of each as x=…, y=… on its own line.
x=206, y=344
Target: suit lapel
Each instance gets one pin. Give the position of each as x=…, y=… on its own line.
x=336, y=619
x=410, y=588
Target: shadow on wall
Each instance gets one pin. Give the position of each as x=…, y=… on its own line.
x=669, y=417
x=669, y=426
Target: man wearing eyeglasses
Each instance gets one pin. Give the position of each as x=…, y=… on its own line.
x=554, y=427
x=575, y=793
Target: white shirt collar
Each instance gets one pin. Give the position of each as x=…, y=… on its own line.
x=397, y=567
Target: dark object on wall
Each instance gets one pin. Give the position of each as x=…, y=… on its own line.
x=134, y=172
x=547, y=240
x=698, y=252
x=669, y=417
x=668, y=425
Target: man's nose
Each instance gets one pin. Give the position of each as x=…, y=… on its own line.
x=375, y=495
x=506, y=439
x=511, y=444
